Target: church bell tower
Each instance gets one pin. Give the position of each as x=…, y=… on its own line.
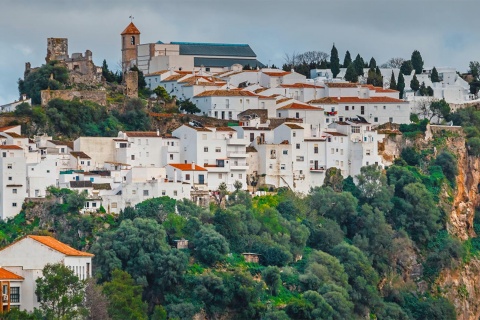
x=130, y=40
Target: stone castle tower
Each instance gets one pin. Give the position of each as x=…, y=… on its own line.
x=57, y=49
x=130, y=40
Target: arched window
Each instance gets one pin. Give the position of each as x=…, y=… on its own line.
x=132, y=40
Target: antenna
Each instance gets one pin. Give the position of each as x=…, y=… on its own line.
x=131, y=18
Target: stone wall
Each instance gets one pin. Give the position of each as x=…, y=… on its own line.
x=99, y=97
x=131, y=84
x=57, y=49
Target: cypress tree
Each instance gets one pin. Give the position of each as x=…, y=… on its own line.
x=372, y=64
x=393, y=82
x=351, y=74
x=347, y=60
x=434, y=76
x=358, y=64
x=334, y=62
x=406, y=68
x=417, y=62
x=414, y=84
x=401, y=84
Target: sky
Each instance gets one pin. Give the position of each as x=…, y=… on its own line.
x=445, y=32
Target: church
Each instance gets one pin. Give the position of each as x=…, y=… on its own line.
x=187, y=56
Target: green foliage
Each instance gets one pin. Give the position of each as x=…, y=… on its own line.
x=188, y=106
x=154, y=208
x=210, y=246
x=401, y=84
x=406, y=68
x=411, y=156
x=417, y=62
x=427, y=307
x=448, y=163
x=434, y=75
x=351, y=73
x=359, y=64
x=134, y=117
x=334, y=62
x=375, y=77
x=125, y=297
x=414, y=84
x=60, y=293
x=107, y=74
x=414, y=128
x=347, y=60
x=393, y=82
x=440, y=109
x=271, y=276
x=162, y=94
x=444, y=252
x=372, y=64
x=51, y=75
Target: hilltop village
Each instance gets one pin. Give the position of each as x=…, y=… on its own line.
x=205, y=184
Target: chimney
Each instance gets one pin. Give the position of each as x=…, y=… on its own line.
x=193, y=165
x=158, y=133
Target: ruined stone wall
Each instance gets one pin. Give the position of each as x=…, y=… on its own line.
x=57, y=49
x=131, y=84
x=99, y=97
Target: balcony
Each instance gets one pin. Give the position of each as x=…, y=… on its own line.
x=237, y=142
x=317, y=169
x=239, y=167
x=236, y=154
x=330, y=113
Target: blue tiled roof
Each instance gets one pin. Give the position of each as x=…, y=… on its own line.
x=226, y=62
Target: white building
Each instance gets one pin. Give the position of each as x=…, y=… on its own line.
x=12, y=180
x=28, y=256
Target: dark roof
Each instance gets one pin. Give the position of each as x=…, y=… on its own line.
x=80, y=154
x=101, y=186
x=226, y=62
x=215, y=49
x=80, y=184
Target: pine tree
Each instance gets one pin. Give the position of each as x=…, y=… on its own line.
x=372, y=64
x=406, y=68
x=347, y=60
x=359, y=64
x=393, y=82
x=351, y=74
x=415, y=84
x=401, y=84
x=334, y=62
x=417, y=62
x=434, y=76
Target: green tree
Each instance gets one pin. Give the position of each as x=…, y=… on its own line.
x=271, y=276
x=210, y=246
x=474, y=69
x=106, y=73
x=125, y=297
x=440, y=109
x=60, y=293
x=142, y=83
x=359, y=64
x=162, y=94
x=401, y=84
x=372, y=64
x=347, y=60
x=351, y=74
x=134, y=116
x=414, y=84
x=417, y=62
x=434, y=76
x=406, y=68
x=237, y=185
x=334, y=62
x=375, y=78
x=393, y=82
x=449, y=165
x=188, y=106
x=333, y=179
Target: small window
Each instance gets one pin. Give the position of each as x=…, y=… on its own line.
x=300, y=158
x=240, y=176
x=375, y=119
x=9, y=166
x=285, y=152
x=218, y=149
x=164, y=192
x=315, y=148
x=270, y=166
x=114, y=205
x=282, y=166
x=205, y=149
x=346, y=108
x=187, y=176
x=294, y=134
x=82, y=162
x=297, y=115
x=133, y=157
x=48, y=171
x=353, y=107
x=332, y=150
x=14, y=294
x=145, y=193
x=94, y=204
x=14, y=191
x=297, y=145
x=390, y=119
x=175, y=193
x=367, y=152
x=134, y=191
x=171, y=157
x=10, y=178
x=14, y=204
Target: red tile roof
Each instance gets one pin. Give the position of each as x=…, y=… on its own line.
x=59, y=246
x=378, y=89
x=300, y=85
x=225, y=129
x=3, y=129
x=326, y=100
x=299, y=106
x=333, y=133
x=131, y=29
x=341, y=85
x=142, y=134
x=276, y=74
x=293, y=126
x=10, y=147
x=370, y=100
x=174, y=77
x=282, y=100
x=187, y=167
x=79, y=154
x=7, y=275
x=226, y=93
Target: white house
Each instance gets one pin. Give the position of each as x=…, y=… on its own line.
x=28, y=256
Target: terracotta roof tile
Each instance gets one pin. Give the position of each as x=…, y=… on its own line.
x=300, y=85
x=226, y=93
x=333, y=133
x=80, y=154
x=3, y=129
x=293, y=126
x=59, y=246
x=281, y=100
x=142, y=134
x=225, y=129
x=299, y=106
x=341, y=85
x=7, y=275
x=131, y=29
x=276, y=74
x=326, y=100
x=175, y=77
x=186, y=167
x=157, y=73
x=370, y=100
x=10, y=147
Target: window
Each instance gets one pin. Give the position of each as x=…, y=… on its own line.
x=279, y=115
x=252, y=136
x=270, y=166
x=341, y=140
x=132, y=40
x=375, y=119
x=10, y=178
x=300, y=158
x=164, y=192
x=346, y=108
x=205, y=149
x=332, y=150
x=82, y=162
x=285, y=151
x=315, y=148
x=218, y=149
x=134, y=191
x=187, y=176
x=240, y=176
x=230, y=115
x=9, y=166
x=282, y=166
x=48, y=171
x=114, y=205
x=94, y=204
x=327, y=120
x=384, y=107
x=297, y=146
x=145, y=193
x=336, y=150
x=14, y=294
x=341, y=164
x=355, y=129
x=231, y=175
x=341, y=151
x=362, y=110
x=175, y=193
x=297, y=115
x=329, y=139
x=367, y=152
x=390, y=119
x=4, y=154
x=294, y=134
x=220, y=176
x=14, y=204
x=171, y=157
x=353, y=107
x=14, y=191
x=133, y=157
